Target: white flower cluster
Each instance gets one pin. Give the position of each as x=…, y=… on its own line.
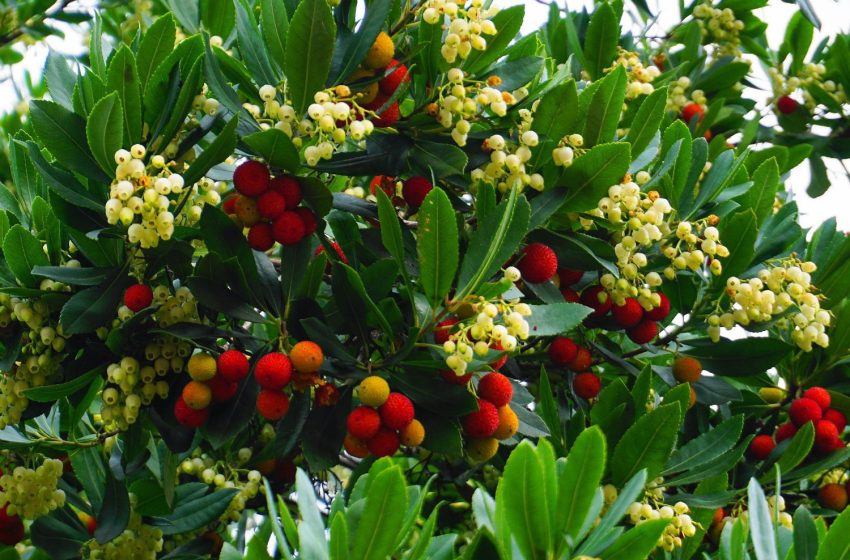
x=640, y=77
x=506, y=168
x=680, y=527
x=461, y=101
x=777, y=290
x=222, y=474
x=695, y=242
x=138, y=541
x=468, y=24
x=677, y=96
x=568, y=148
x=31, y=493
x=719, y=26
x=142, y=197
x=811, y=75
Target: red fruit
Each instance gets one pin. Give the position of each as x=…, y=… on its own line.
x=568, y=276
x=826, y=435
x=222, y=389
x=562, y=351
x=383, y=182
x=644, y=332
x=326, y=395
x=397, y=412
x=188, y=416
x=761, y=446
x=321, y=249
x=570, y=295
x=260, y=237
x=496, y=388
x=288, y=229
x=786, y=104
x=538, y=263
x=11, y=528
x=443, y=329
x=251, y=178
x=587, y=385
x=415, y=189
x=597, y=299
x=786, y=431
x=582, y=360
x=497, y=346
x=363, y=422
x=308, y=218
x=229, y=205
x=690, y=111
x=272, y=405
x=384, y=443
x=273, y=371
x=819, y=395
x=138, y=297
x=232, y=366
x=454, y=379
x=389, y=116
x=836, y=418
x=804, y=410
x=629, y=314
x=271, y=205
x=719, y=514
x=290, y=188
x=659, y=313
x=483, y=422
x=394, y=79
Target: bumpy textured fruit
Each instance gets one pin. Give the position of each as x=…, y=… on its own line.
x=629, y=314
x=397, y=412
x=444, y=329
x=836, y=418
x=386, y=117
x=508, y=423
x=692, y=110
x=568, y=276
x=260, y=237
x=383, y=182
x=582, y=361
x=384, y=444
x=587, y=385
x=501, y=361
x=138, y=297
x=355, y=447
x=413, y=434
x=826, y=436
x=659, y=313
x=380, y=53
x=11, y=528
x=495, y=388
x=337, y=249
x=538, y=264
x=644, y=332
x=483, y=422
x=273, y=371
x=415, y=189
x=271, y=205
x=272, y=405
x=201, y=366
x=189, y=417
x=307, y=356
x=247, y=211
x=394, y=79
x=251, y=178
x=687, y=369
x=288, y=229
x=786, y=104
x=562, y=351
x=289, y=188
x=761, y=446
x=833, y=496
x=482, y=449
x=308, y=220
x=222, y=389
x=786, y=431
x=596, y=298
x=820, y=396
x=229, y=205
x=804, y=410
x=326, y=395
x=197, y=395
x=363, y=422
x=373, y=391
x=233, y=365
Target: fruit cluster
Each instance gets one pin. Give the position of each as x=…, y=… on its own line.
x=269, y=207
x=31, y=493
x=719, y=28
x=681, y=525
x=678, y=99
x=383, y=421
x=211, y=381
x=809, y=78
x=493, y=421
x=467, y=25
x=564, y=352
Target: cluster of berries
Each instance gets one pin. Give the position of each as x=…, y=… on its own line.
x=564, y=352
x=275, y=370
x=378, y=81
x=413, y=189
x=269, y=207
x=720, y=28
x=31, y=493
x=506, y=169
x=142, y=197
x=640, y=77
x=223, y=474
x=680, y=525
x=810, y=78
x=138, y=541
x=782, y=286
x=383, y=421
x=211, y=381
x=493, y=421
x=461, y=100
x=813, y=406
x=468, y=24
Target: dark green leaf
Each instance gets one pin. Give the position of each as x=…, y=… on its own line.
x=114, y=514
x=589, y=177
x=94, y=307
x=220, y=149
x=274, y=146
x=735, y=358
x=104, y=130
x=606, y=105
x=600, y=41
x=647, y=120
x=63, y=133
x=646, y=444
x=275, y=23
x=309, y=48
x=252, y=47
x=156, y=45
x=437, y=245
x=23, y=252
x=123, y=77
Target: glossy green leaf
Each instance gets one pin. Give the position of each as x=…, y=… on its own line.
x=647, y=444
x=636, y=543
x=23, y=252
x=274, y=146
x=309, y=48
x=583, y=471
x=437, y=245
x=600, y=41
x=707, y=446
x=123, y=77
x=647, y=120
x=805, y=535
x=606, y=105
x=275, y=23
x=114, y=514
x=93, y=307
x=156, y=45
x=105, y=130
x=589, y=177
x=521, y=496
x=735, y=358
x=382, y=517
x=761, y=523
x=63, y=133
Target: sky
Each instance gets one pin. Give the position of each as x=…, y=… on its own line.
x=777, y=14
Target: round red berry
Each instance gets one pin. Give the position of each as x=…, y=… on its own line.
x=384, y=443
x=538, y=264
x=138, y=297
x=826, y=436
x=562, y=351
x=388, y=116
x=229, y=205
x=271, y=205
x=233, y=365
x=415, y=189
x=568, y=276
x=251, y=178
x=570, y=295
x=188, y=416
x=11, y=528
x=597, y=299
x=272, y=404
x=496, y=388
x=394, y=79
x=629, y=314
x=582, y=361
x=337, y=249
x=222, y=389
x=288, y=229
x=786, y=104
x=483, y=422
x=659, y=313
x=260, y=237
x=643, y=332
x=761, y=446
x=308, y=218
x=786, y=431
x=363, y=422
x=587, y=385
x=804, y=410
x=397, y=412
x=444, y=329
x=692, y=110
x=273, y=371
x=836, y=418
x=820, y=396
x=502, y=360
x=290, y=188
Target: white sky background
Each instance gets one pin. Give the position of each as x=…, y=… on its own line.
x=833, y=14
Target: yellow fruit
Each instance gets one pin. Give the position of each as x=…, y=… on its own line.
x=413, y=434
x=480, y=450
x=246, y=211
x=692, y=399
x=201, y=367
x=373, y=391
x=197, y=395
x=380, y=53
x=772, y=395
x=687, y=369
x=508, y=423
x=367, y=93
x=307, y=356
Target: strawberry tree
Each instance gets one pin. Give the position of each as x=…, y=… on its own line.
x=415, y=279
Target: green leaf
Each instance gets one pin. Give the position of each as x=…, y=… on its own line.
x=231, y=417
x=50, y=393
x=94, y=307
x=735, y=358
x=589, y=177
x=707, y=446
x=275, y=23
x=23, y=252
x=582, y=473
x=309, y=49
x=390, y=228
x=274, y=146
x=646, y=444
x=91, y=472
x=64, y=184
x=629, y=493
x=311, y=530
x=114, y=514
x=548, y=408
x=252, y=47
x=522, y=504
x=556, y=318
x=761, y=196
x=156, y=45
x=554, y=118
x=637, y=543
x=761, y=523
x=60, y=79
x=60, y=533
x=600, y=40
x=798, y=449
x=647, y=120
x=104, y=130
x=220, y=149
x=193, y=512
x=63, y=133
x=123, y=77
x=606, y=105
x=383, y=515
x=508, y=23
x=805, y=535
x=355, y=47
x=218, y=17
x=440, y=158
x=437, y=245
